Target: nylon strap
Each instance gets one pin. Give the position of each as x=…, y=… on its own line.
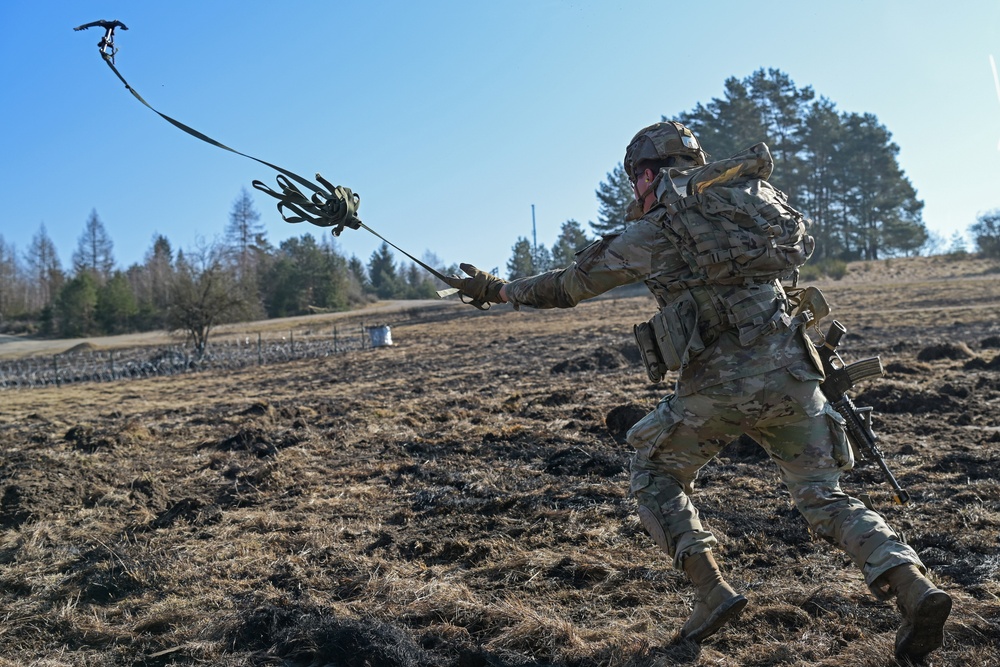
x=328, y=206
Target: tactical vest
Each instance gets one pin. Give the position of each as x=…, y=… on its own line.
x=740, y=239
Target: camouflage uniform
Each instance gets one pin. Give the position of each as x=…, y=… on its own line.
x=767, y=388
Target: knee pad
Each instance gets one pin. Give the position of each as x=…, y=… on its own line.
x=651, y=522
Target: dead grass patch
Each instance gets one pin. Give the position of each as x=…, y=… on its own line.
x=453, y=502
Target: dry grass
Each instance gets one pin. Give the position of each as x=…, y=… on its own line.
x=453, y=501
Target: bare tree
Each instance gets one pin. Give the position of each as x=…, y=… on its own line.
x=203, y=294
x=45, y=273
x=11, y=298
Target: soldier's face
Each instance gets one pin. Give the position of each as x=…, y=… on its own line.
x=641, y=185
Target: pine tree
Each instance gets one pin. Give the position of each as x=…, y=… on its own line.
x=726, y=126
x=840, y=169
x=986, y=233
x=76, y=305
x=247, y=251
x=359, y=274
x=822, y=135
x=383, y=275
x=116, y=306
x=877, y=196
x=304, y=275
x=541, y=258
x=521, y=264
x=614, y=195
x=337, y=290
x=94, y=251
x=159, y=264
x=782, y=109
x=243, y=233
x=572, y=239
x=958, y=248
x=418, y=283
x=150, y=283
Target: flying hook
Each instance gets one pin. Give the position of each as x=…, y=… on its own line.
x=107, y=43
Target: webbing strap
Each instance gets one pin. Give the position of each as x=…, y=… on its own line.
x=327, y=206
x=207, y=139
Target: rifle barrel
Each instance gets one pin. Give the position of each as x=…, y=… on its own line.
x=865, y=441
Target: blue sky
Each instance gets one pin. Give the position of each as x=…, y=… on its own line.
x=450, y=119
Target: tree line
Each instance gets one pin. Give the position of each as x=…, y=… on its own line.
x=839, y=168
x=240, y=277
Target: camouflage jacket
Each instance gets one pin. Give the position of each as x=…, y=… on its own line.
x=644, y=253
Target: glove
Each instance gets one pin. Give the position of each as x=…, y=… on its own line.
x=481, y=288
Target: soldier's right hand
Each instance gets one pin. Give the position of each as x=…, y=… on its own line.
x=481, y=288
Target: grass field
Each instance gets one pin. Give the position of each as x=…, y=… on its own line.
x=460, y=499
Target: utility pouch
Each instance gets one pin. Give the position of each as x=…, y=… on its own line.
x=809, y=299
x=811, y=305
x=669, y=338
x=649, y=351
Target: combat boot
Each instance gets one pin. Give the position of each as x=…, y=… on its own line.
x=924, y=609
x=716, y=603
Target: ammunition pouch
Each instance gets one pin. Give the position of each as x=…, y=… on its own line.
x=668, y=339
x=749, y=311
x=651, y=358
x=756, y=310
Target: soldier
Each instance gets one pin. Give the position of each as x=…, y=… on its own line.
x=745, y=367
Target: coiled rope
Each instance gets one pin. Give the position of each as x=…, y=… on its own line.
x=328, y=205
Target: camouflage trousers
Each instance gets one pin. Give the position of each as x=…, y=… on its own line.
x=787, y=414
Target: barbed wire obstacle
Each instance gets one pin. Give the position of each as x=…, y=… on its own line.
x=143, y=362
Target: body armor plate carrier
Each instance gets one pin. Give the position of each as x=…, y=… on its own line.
x=740, y=239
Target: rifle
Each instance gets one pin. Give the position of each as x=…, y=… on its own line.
x=840, y=378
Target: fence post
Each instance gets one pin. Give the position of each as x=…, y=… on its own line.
x=260, y=355
x=362, y=335
x=111, y=356
x=291, y=343
x=55, y=367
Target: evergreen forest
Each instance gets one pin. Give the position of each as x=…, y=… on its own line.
x=839, y=168
x=241, y=277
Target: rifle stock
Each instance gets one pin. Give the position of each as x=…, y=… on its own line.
x=840, y=378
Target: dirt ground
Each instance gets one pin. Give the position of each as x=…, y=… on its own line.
x=460, y=500
x=15, y=347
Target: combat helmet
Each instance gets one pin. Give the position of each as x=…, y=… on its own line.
x=658, y=142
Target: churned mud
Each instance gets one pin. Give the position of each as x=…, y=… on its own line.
x=460, y=499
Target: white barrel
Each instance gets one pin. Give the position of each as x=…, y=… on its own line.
x=380, y=336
